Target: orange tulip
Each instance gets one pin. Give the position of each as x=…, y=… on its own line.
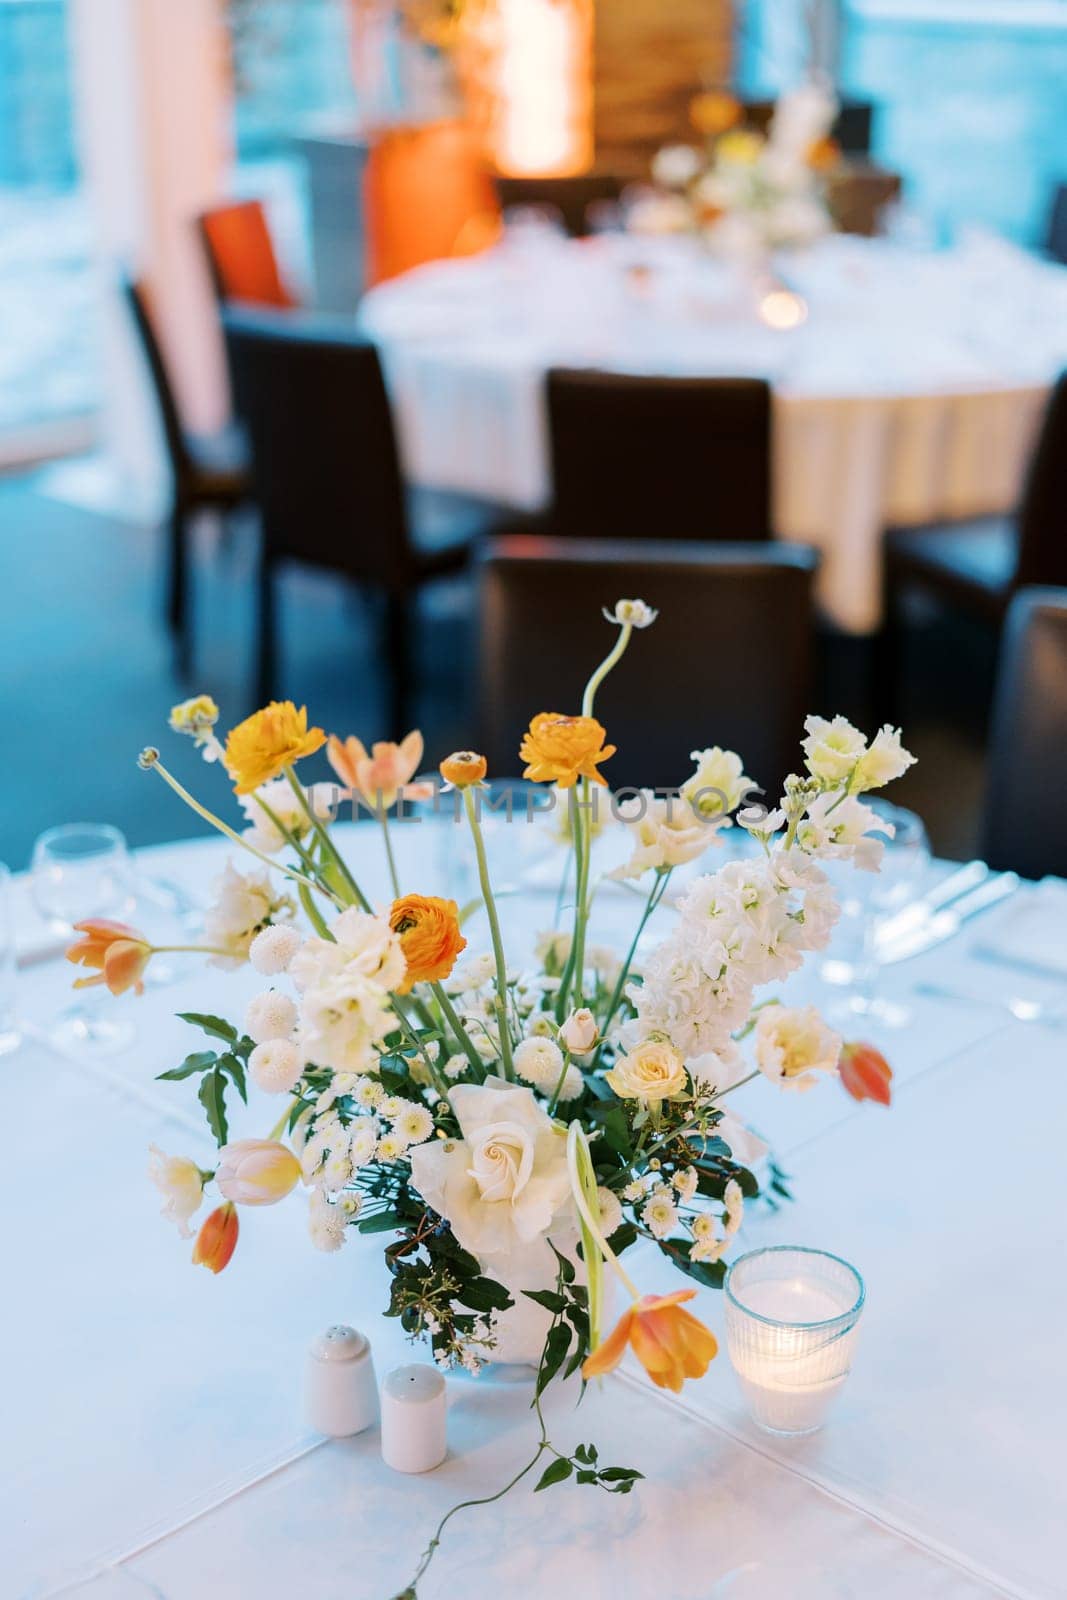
x=429, y=937
x=217, y=1239
x=561, y=749
x=261, y=746
x=463, y=768
x=670, y=1343
x=380, y=777
x=118, y=951
x=865, y=1073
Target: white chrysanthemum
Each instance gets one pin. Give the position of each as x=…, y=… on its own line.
x=541, y=1025
x=368, y=1093
x=272, y=950
x=573, y=1084
x=539, y=1062
x=685, y=1182
x=610, y=1210
x=351, y=1203
x=660, y=1214
x=707, y=1250
x=326, y=1222
x=471, y=974
x=636, y=1190
x=414, y=1124
x=276, y=1065
x=455, y=1067
x=336, y=1170
x=703, y=1226
x=364, y=1141
x=270, y=1016
x=391, y=1105
x=390, y=1148
x=734, y=1201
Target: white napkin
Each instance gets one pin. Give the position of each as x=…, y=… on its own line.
x=1033, y=932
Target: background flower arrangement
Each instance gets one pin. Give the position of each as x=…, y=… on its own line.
x=514, y=1130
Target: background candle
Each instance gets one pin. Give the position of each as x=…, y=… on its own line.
x=340, y=1392
x=414, y=1419
x=791, y=1319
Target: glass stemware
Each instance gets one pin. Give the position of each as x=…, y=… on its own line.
x=79, y=870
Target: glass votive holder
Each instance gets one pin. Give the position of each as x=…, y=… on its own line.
x=791, y=1323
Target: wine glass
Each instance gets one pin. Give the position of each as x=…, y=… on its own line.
x=79, y=870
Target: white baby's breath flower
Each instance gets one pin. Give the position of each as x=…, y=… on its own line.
x=276, y=1065
x=685, y=1182
x=539, y=1061
x=660, y=1214
x=270, y=1016
x=635, y=612
x=414, y=1124
x=610, y=1211
x=272, y=950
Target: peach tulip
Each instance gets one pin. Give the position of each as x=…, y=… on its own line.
x=382, y=776
x=256, y=1172
x=217, y=1239
x=670, y=1344
x=865, y=1073
x=118, y=951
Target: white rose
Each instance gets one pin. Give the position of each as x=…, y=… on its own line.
x=652, y=1072
x=275, y=1065
x=181, y=1184
x=504, y=1184
x=270, y=1016
x=832, y=749
x=792, y=1044
x=539, y=1061
x=885, y=760
x=580, y=1033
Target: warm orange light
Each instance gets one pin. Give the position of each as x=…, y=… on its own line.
x=543, y=122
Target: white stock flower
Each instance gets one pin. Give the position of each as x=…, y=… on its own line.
x=179, y=1182
x=414, y=1124
x=676, y=165
x=885, y=760
x=244, y=904
x=666, y=833
x=276, y=1065
x=272, y=950
x=579, y=1032
x=270, y=1015
x=635, y=612
x=718, y=785
x=539, y=1062
x=659, y=1213
x=363, y=946
x=832, y=749
x=837, y=828
x=716, y=1070
x=610, y=1211
x=504, y=1184
x=793, y=1044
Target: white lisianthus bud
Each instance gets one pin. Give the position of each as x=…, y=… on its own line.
x=270, y=1016
x=275, y=1065
x=272, y=950
x=635, y=612
x=539, y=1062
x=580, y=1033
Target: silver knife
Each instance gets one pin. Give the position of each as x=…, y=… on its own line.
x=919, y=912
x=945, y=924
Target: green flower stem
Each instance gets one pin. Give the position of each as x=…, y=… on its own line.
x=190, y=949
x=501, y=999
x=655, y=895
x=314, y=915
x=595, y=1247
x=223, y=828
x=463, y=1038
x=394, y=880
x=326, y=843
x=559, y=1085
x=584, y=822
x=438, y=1080
x=613, y=657
x=276, y=1131
x=290, y=838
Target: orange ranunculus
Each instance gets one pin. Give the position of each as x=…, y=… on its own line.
x=429, y=937
x=263, y=744
x=561, y=750
x=463, y=768
x=380, y=777
x=865, y=1073
x=118, y=951
x=670, y=1344
x=217, y=1239
x=713, y=112
x=824, y=154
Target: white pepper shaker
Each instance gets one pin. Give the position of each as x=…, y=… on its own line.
x=414, y=1419
x=340, y=1390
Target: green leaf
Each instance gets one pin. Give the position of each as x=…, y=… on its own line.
x=586, y=1477
x=212, y=1097
x=556, y=1346
x=201, y=1061
x=381, y=1222
x=548, y=1298
x=229, y=1064
x=483, y=1294
x=218, y=1027
x=619, y=1475
x=566, y=1267
x=558, y=1472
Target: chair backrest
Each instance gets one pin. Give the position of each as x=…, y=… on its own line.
x=136, y=296
x=240, y=255
x=636, y=457
x=1025, y=824
x=570, y=196
x=727, y=662
x=1043, y=511
x=325, y=471
x=1057, y=224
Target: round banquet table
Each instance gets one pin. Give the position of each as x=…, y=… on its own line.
x=911, y=392
x=153, y=1438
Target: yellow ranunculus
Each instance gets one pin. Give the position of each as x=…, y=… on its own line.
x=561, y=750
x=259, y=748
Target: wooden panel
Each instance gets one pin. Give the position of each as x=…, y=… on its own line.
x=651, y=57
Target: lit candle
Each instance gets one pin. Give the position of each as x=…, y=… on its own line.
x=791, y=1321
x=340, y=1392
x=414, y=1417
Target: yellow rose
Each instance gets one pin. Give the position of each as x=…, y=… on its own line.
x=653, y=1072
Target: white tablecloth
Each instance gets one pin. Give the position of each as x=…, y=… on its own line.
x=152, y=1434
x=912, y=392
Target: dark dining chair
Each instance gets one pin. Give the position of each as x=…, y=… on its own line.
x=1025, y=820
x=326, y=475
x=977, y=566
x=240, y=256
x=207, y=473
x=571, y=196
x=728, y=661
x=1056, y=241
x=636, y=457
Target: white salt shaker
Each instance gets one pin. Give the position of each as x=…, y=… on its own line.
x=340, y=1391
x=414, y=1419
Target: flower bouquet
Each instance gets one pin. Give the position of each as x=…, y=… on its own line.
x=747, y=193
x=512, y=1128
